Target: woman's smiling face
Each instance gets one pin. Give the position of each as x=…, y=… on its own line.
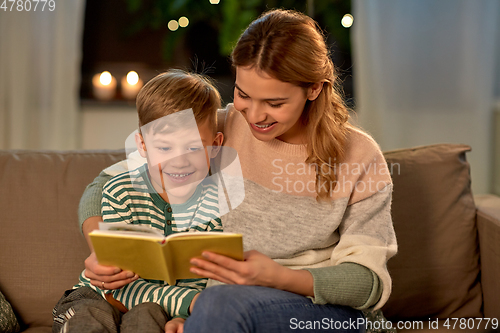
x=271, y=107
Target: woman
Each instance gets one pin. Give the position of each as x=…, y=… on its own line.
x=316, y=215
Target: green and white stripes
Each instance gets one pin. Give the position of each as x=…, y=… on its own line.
x=130, y=197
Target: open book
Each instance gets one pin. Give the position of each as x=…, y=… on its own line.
x=148, y=253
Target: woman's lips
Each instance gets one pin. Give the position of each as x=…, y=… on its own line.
x=263, y=128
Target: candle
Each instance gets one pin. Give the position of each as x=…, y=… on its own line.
x=104, y=86
x=131, y=84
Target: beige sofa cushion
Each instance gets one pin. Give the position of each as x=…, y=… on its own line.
x=436, y=271
x=488, y=226
x=42, y=250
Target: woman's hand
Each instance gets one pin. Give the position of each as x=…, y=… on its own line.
x=256, y=270
x=175, y=325
x=113, y=277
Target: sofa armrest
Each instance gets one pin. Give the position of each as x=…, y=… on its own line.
x=488, y=224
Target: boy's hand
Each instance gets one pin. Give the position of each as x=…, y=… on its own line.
x=175, y=325
x=107, y=277
x=192, y=302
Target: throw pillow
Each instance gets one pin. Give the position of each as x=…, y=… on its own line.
x=436, y=271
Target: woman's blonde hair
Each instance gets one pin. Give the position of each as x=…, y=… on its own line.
x=289, y=46
x=177, y=90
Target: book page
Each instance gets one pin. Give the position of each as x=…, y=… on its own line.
x=201, y=234
x=128, y=229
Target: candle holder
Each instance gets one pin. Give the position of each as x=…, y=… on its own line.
x=130, y=85
x=104, y=86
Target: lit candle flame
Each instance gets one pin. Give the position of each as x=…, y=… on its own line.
x=105, y=78
x=132, y=78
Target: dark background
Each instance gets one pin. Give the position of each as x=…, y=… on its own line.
x=124, y=35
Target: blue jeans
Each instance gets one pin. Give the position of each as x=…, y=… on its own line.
x=234, y=309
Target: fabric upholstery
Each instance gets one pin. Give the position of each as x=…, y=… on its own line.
x=42, y=249
x=436, y=271
x=488, y=224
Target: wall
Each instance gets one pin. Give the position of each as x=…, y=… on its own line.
x=426, y=72
x=496, y=151
x=107, y=127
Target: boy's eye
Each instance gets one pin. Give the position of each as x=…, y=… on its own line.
x=195, y=148
x=164, y=148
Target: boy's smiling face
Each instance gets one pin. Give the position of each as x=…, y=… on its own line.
x=178, y=158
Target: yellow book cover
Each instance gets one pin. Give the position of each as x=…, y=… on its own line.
x=151, y=255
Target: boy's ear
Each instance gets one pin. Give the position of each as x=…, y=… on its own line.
x=141, y=146
x=216, y=144
x=314, y=90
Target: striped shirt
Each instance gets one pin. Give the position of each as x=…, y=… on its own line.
x=130, y=197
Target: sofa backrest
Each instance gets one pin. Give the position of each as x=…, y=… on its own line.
x=42, y=251
x=436, y=271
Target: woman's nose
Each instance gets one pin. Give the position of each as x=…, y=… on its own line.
x=254, y=113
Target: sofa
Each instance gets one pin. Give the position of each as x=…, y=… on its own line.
x=447, y=267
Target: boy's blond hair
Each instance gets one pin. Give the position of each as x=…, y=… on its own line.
x=177, y=90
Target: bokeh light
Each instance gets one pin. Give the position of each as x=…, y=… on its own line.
x=347, y=20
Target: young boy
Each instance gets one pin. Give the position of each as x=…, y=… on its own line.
x=177, y=136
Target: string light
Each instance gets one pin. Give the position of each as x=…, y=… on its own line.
x=173, y=25
x=183, y=22
x=347, y=20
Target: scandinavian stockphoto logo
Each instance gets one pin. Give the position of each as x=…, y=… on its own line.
x=171, y=156
x=288, y=177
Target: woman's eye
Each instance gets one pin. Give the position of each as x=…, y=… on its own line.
x=275, y=105
x=240, y=95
